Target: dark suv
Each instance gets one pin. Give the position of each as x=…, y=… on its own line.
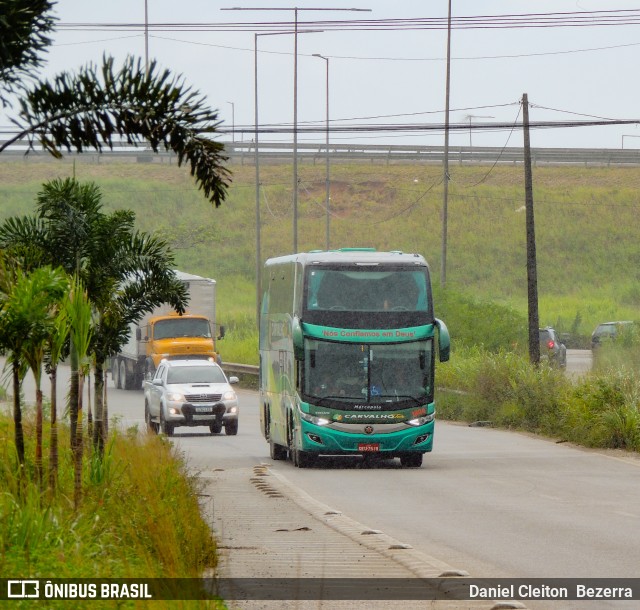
x=607, y=331
x=551, y=348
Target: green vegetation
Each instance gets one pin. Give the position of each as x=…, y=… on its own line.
x=158, y=532
x=504, y=390
x=586, y=254
x=585, y=219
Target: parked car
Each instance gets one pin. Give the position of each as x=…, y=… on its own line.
x=190, y=393
x=551, y=348
x=607, y=331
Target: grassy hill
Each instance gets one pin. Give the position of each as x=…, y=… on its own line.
x=586, y=225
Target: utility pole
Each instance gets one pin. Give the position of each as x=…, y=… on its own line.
x=445, y=200
x=532, y=274
x=146, y=37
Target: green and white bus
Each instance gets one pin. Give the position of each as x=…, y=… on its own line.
x=347, y=355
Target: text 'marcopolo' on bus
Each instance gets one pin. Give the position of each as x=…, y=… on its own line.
x=347, y=355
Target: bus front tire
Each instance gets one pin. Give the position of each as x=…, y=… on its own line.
x=411, y=460
x=277, y=452
x=303, y=459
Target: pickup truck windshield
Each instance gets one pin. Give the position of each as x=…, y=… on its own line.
x=182, y=327
x=195, y=374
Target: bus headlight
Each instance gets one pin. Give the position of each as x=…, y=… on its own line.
x=312, y=419
x=421, y=421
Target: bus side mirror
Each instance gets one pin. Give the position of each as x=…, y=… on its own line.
x=298, y=342
x=444, y=342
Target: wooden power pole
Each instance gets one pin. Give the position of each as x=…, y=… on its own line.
x=532, y=274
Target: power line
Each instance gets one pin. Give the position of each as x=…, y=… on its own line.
x=620, y=17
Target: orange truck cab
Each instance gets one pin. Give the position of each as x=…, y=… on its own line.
x=165, y=334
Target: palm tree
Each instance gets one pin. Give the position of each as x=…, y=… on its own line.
x=57, y=342
x=79, y=312
x=126, y=273
x=91, y=107
x=36, y=300
x=27, y=301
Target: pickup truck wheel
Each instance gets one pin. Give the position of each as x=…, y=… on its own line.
x=152, y=427
x=165, y=427
x=231, y=427
x=215, y=428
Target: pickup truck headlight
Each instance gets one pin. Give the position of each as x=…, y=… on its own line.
x=229, y=395
x=175, y=397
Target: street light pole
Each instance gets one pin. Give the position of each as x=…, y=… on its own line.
x=327, y=180
x=257, y=161
x=233, y=121
x=295, y=94
x=445, y=200
x=257, y=164
x=476, y=116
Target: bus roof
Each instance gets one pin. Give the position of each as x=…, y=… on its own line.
x=350, y=255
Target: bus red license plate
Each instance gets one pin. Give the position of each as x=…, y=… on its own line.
x=368, y=447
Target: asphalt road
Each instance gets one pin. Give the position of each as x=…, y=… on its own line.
x=491, y=502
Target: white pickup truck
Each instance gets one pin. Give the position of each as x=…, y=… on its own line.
x=190, y=393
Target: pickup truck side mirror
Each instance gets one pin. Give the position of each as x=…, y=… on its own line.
x=234, y=380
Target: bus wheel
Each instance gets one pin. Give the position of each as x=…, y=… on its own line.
x=303, y=459
x=277, y=452
x=411, y=460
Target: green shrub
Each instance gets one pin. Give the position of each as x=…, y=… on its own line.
x=139, y=516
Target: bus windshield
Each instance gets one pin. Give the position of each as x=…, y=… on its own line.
x=366, y=289
x=376, y=376
x=389, y=296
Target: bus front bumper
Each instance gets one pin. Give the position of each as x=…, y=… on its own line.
x=329, y=441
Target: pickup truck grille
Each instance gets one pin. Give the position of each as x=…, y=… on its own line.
x=202, y=397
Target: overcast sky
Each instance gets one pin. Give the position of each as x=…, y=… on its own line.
x=569, y=73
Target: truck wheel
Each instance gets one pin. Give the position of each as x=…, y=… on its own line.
x=231, y=427
x=215, y=428
x=122, y=376
x=149, y=370
x=114, y=371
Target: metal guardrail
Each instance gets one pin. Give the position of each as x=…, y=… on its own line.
x=242, y=369
x=275, y=152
